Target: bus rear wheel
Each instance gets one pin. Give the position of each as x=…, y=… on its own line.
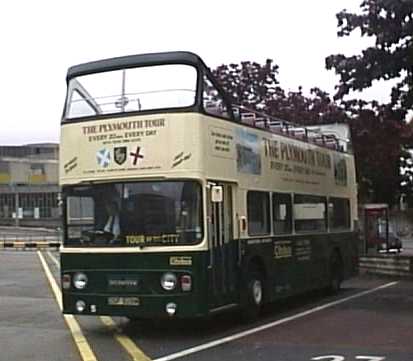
x=336, y=274
x=254, y=296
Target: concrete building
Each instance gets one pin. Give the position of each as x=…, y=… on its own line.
x=29, y=189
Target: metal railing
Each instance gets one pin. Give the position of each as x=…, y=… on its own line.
x=312, y=134
x=30, y=242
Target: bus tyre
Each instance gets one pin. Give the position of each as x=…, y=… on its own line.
x=336, y=274
x=254, y=299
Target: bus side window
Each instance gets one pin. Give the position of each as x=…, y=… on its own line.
x=282, y=213
x=258, y=209
x=339, y=213
x=310, y=213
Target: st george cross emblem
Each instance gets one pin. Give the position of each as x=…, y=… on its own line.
x=137, y=155
x=119, y=155
x=103, y=157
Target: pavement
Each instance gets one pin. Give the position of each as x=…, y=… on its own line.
x=392, y=263
x=407, y=246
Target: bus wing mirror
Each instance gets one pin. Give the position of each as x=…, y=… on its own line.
x=217, y=194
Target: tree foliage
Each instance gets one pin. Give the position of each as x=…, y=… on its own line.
x=256, y=86
x=249, y=83
x=390, y=22
x=377, y=130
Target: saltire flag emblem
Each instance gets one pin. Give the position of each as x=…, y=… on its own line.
x=103, y=157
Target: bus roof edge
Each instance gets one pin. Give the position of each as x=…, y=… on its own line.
x=131, y=61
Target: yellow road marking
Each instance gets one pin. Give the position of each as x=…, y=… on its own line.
x=131, y=348
x=54, y=259
x=80, y=340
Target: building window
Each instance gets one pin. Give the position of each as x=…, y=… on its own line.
x=7, y=206
x=30, y=206
x=258, y=209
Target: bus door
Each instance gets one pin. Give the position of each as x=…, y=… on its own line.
x=223, y=249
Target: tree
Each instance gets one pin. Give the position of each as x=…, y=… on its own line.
x=256, y=86
x=390, y=22
x=380, y=133
x=249, y=83
x=377, y=130
x=317, y=108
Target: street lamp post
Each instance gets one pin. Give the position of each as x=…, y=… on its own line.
x=16, y=204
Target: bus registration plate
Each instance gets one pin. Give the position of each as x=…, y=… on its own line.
x=123, y=301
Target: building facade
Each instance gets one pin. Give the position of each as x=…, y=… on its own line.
x=29, y=189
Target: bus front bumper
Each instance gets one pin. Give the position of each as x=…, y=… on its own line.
x=139, y=306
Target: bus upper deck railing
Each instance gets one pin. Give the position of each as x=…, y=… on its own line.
x=314, y=134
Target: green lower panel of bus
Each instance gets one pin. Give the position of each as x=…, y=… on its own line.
x=192, y=284
x=135, y=285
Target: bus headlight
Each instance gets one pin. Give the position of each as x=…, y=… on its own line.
x=80, y=306
x=168, y=281
x=80, y=280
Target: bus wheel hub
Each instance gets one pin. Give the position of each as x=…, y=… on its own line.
x=257, y=292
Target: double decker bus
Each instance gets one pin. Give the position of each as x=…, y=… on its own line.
x=178, y=204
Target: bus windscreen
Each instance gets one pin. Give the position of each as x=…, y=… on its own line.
x=133, y=214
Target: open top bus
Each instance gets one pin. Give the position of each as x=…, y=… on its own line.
x=179, y=204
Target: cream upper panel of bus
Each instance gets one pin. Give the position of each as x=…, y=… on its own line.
x=156, y=145
x=191, y=145
x=261, y=160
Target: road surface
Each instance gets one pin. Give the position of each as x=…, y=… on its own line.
x=371, y=319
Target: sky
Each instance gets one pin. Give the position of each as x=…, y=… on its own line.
x=41, y=39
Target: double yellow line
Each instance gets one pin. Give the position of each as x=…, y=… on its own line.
x=81, y=342
x=134, y=352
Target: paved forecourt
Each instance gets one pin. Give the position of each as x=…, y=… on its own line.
x=31, y=326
